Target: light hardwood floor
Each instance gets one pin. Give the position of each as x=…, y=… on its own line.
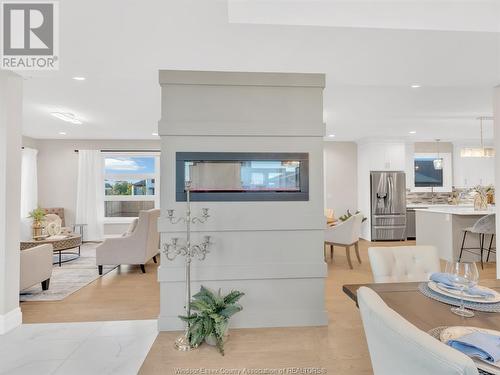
x=123, y=294
x=339, y=348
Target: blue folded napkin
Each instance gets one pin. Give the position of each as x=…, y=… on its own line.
x=446, y=280
x=478, y=344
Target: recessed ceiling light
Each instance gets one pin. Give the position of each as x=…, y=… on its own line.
x=415, y=86
x=413, y=132
x=331, y=135
x=62, y=133
x=77, y=78
x=155, y=134
x=66, y=116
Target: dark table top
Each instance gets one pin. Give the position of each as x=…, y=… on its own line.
x=424, y=312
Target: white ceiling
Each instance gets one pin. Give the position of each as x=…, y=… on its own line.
x=119, y=46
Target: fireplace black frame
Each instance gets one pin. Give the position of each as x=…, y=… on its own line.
x=302, y=195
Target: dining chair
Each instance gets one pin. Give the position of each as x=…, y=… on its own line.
x=398, y=347
x=345, y=234
x=403, y=263
x=485, y=226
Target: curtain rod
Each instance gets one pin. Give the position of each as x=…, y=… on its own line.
x=142, y=151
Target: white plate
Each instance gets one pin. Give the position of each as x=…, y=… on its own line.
x=433, y=286
x=457, y=292
x=452, y=333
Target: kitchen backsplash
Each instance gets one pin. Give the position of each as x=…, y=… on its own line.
x=439, y=198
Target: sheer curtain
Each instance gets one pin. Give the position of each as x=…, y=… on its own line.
x=29, y=189
x=90, y=194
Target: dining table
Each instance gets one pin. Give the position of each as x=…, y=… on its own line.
x=424, y=312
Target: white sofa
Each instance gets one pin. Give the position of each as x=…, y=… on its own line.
x=398, y=347
x=135, y=247
x=403, y=263
x=36, y=266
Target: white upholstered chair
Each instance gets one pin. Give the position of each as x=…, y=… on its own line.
x=403, y=263
x=345, y=234
x=398, y=347
x=36, y=266
x=136, y=247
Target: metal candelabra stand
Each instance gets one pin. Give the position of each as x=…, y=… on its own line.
x=189, y=251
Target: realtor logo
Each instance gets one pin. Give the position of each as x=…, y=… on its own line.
x=30, y=35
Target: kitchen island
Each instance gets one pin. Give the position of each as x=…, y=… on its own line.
x=442, y=227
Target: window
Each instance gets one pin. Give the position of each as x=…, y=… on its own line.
x=426, y=178
x=426, y=175
x=130, y=184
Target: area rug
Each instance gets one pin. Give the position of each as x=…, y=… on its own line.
x=68, y=278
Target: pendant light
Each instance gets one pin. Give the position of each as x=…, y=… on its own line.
x=438, y=162
x=482, y=151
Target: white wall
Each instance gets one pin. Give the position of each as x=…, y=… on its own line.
x=58, y=171
x=376, y=155
x=496, y=109
x=341, y=176
x=11, y=97
x=272, y=251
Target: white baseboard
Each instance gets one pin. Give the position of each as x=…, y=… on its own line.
x=259, y=320
x=11, y=320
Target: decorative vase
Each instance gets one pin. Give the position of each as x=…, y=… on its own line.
x=490, y=198
x=37, y=229
x=480, y=202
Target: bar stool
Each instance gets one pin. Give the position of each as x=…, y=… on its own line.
x=485, y=226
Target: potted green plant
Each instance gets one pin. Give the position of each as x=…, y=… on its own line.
x=38, y=214
x=348, y=215
x=210, y=315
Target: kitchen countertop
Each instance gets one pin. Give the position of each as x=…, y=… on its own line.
x=430, y=205
x=457, y=210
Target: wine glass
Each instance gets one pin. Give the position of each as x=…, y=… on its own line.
x=464, y=275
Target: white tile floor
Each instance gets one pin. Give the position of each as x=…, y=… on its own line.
x=77, y=348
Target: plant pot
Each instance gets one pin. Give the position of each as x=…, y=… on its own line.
x=37, y=229
x=210, y=339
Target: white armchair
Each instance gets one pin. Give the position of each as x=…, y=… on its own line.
x=345, y=234
x=36, y=266
x=137, y=247
x=403, y=263
x=398, y=347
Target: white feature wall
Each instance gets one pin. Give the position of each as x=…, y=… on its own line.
x=376, y=155
x=341, y=176
x=271, y=251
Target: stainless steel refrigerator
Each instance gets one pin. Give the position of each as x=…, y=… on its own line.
x=388, y=205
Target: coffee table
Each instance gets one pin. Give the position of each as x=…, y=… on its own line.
x=60, y=245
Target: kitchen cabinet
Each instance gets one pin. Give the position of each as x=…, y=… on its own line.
x=410, y=224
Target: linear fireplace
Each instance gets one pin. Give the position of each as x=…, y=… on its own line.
x=243, y=176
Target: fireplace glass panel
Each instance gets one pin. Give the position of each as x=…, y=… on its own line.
x=230, y=176
x=243, y=176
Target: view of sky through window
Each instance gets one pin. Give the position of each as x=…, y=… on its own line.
x=129, y=165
